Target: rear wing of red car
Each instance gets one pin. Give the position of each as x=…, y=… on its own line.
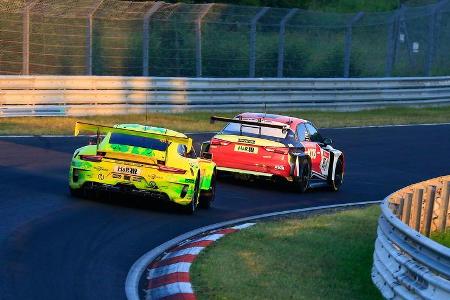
x=247, y=122
x=100, y=129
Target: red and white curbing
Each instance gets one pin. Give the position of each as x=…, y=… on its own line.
x=168, y=278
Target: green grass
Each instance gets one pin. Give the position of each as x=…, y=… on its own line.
x=322, y=257
x=199, y=121
x=441, y=237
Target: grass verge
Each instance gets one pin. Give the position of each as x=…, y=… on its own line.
x=442, y=238
x=322, y=257
x=199, y=121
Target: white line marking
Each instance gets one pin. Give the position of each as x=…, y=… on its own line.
x=243, y=226
x=169, y=269
x=187, y=251
x=169, y=290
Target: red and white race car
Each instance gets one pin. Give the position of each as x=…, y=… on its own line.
x=276, y=147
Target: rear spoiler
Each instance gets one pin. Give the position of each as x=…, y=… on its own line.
x=100, y=129
x=254, y=123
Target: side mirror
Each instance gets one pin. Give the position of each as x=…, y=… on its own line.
x=204, y=151
x=204, y=147
x=327, y=141
x=206, y=155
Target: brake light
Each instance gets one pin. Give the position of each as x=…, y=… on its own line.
x=279, y=150
x=93, y=158
x=171, y=170
x=219, y=142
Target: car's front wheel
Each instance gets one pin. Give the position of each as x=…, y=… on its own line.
x=336, y=183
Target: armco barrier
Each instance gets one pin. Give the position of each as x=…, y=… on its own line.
x=95, y=95
x=407, y=264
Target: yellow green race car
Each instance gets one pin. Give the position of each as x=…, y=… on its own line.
x=155, y=162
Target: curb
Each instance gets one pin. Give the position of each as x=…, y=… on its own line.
x=168, y=277
x=146, y=260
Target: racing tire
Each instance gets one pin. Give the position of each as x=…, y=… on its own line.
x=192, y=206
x=301, y=183
x=77, y=193
x=335, y=184
x=208, y=197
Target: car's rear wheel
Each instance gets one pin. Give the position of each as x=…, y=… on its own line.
x=336, y=183
x=192, y=206
x=208, y=196
x=301, y=182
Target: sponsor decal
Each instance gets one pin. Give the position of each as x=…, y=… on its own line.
x=127, y=170
x=247, y=149
x=325, y=162
x=189, y=180
x=311, y=152
x=152, y=185
x=101, y=176
x=246, y=141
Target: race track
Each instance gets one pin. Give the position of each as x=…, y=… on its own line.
x=53, y=246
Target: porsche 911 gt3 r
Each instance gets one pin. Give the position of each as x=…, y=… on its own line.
x=276, y=147
x=151, y=161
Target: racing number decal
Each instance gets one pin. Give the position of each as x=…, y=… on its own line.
x=325, y=162
x=311, y=152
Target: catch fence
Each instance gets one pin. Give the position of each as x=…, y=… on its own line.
x=148, y=38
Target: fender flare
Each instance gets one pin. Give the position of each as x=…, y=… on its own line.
x=335, y=156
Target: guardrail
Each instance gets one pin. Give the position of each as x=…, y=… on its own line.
x=407, y=264
x=102, y=95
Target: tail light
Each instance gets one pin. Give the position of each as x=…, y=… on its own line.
x=219, y=142
x=279, y=150
x=171, y=170
x=93, y=158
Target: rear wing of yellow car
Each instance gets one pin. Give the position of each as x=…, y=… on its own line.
x=100, y=129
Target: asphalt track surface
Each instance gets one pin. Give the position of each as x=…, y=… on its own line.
x=53, y=246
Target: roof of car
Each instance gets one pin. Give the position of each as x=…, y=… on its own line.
x=291, y=121
x=151, y=129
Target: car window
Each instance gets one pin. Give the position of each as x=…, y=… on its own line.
x=137, y=141
x=182, y=150
x=314, y=135
x=256, y=131
x=301, y=132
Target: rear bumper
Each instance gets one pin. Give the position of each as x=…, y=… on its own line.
x=127, y=189
x=233, y=170
x=267, y=169
x=173, y=187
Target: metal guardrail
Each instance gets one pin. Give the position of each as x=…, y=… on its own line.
x=102, y=95
x=407, y=264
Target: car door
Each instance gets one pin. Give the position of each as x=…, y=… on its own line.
x=314, y=146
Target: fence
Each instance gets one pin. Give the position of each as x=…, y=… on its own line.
x=97, y=95
x=113, y=37
x=407, y=264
